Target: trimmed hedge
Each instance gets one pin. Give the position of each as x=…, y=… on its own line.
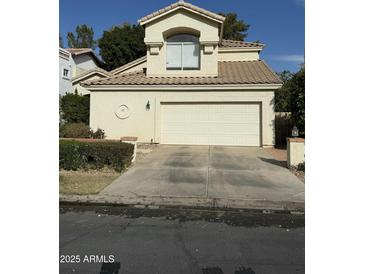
x=80, y=130
x=75, y=155
x=75, y=130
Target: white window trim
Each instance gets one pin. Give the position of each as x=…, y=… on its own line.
x=66, y=77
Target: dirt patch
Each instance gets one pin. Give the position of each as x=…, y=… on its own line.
x=86, y=181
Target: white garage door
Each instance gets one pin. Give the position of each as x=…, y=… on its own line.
x=210, y=124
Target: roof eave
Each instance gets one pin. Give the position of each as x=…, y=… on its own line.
x=146, y=21
x=261, y=86
x=239, y=49
x=91, y=73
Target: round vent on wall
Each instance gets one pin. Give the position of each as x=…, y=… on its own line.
x=122, y=112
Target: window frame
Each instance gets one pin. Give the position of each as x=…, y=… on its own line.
x=181, y=68
x=63, y=73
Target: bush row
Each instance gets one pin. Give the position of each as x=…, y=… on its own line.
x=80, y=130
x=75, y=155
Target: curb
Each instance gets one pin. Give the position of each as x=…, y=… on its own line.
x=186, y=202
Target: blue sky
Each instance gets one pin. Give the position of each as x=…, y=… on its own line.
x=279, y=24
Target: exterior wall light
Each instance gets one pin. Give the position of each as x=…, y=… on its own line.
x=148, y=106
x=295, y=132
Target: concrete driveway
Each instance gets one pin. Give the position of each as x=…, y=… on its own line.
x=242, y=173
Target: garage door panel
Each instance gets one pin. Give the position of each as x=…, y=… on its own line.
x=211, y=124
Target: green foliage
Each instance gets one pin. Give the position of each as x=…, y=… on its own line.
x=296, y=86
x=60, y=41
x=75, y=108
x=83, y=38
x=75, y=130
x=75, y=155
x=291, y=97
x=98, y=134
x=80, y=130
x=282, y=95
x=121, y=45
x=234, y=29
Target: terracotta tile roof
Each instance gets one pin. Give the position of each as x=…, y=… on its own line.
x=80, y=51
x=183, y=5
x=235, y=72
x=239, y=44
x=130, y=64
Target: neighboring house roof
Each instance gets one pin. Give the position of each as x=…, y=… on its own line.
x=90, y=73
x=64, y=54
x=232, y=72
x=80, y=51
x=129, y=65
x=178, y=5
x=239, y=44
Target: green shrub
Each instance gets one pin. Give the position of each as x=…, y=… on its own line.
x=75, y=130
x=75, y=155
x=74, y=108
x=98, y=134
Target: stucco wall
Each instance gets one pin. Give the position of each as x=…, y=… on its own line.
x=82, y=90
x=295, y=151
x=65, y=85
x=82, y=63
x=180, y=22
x=138, y=67
x=238, y=56
x=145, y=124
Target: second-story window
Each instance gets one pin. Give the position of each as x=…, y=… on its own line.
x=66, y=73
x=183, y=52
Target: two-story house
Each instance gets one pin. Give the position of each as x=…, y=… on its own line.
x=192, y=87
x=76, y=65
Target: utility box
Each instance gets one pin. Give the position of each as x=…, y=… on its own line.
x=296, y=151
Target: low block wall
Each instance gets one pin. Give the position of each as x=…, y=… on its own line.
x=296, y=151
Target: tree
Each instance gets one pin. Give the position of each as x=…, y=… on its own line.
x=296, y=86
x=291, y=97
x=75, y=108
x=282, y=95
x=121, y=45
x=234, y=29
x=83, y=38
x=60, y=41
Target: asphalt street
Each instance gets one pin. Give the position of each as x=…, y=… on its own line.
x=159, y=240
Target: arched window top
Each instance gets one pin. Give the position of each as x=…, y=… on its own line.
x=183, y=38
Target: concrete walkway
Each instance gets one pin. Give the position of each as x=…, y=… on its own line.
x=209, y=172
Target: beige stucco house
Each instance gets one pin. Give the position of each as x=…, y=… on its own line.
x=192, y=87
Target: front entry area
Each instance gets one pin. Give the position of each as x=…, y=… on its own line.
x=229, y=124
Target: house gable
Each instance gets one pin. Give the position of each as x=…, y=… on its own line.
x=183, y=18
